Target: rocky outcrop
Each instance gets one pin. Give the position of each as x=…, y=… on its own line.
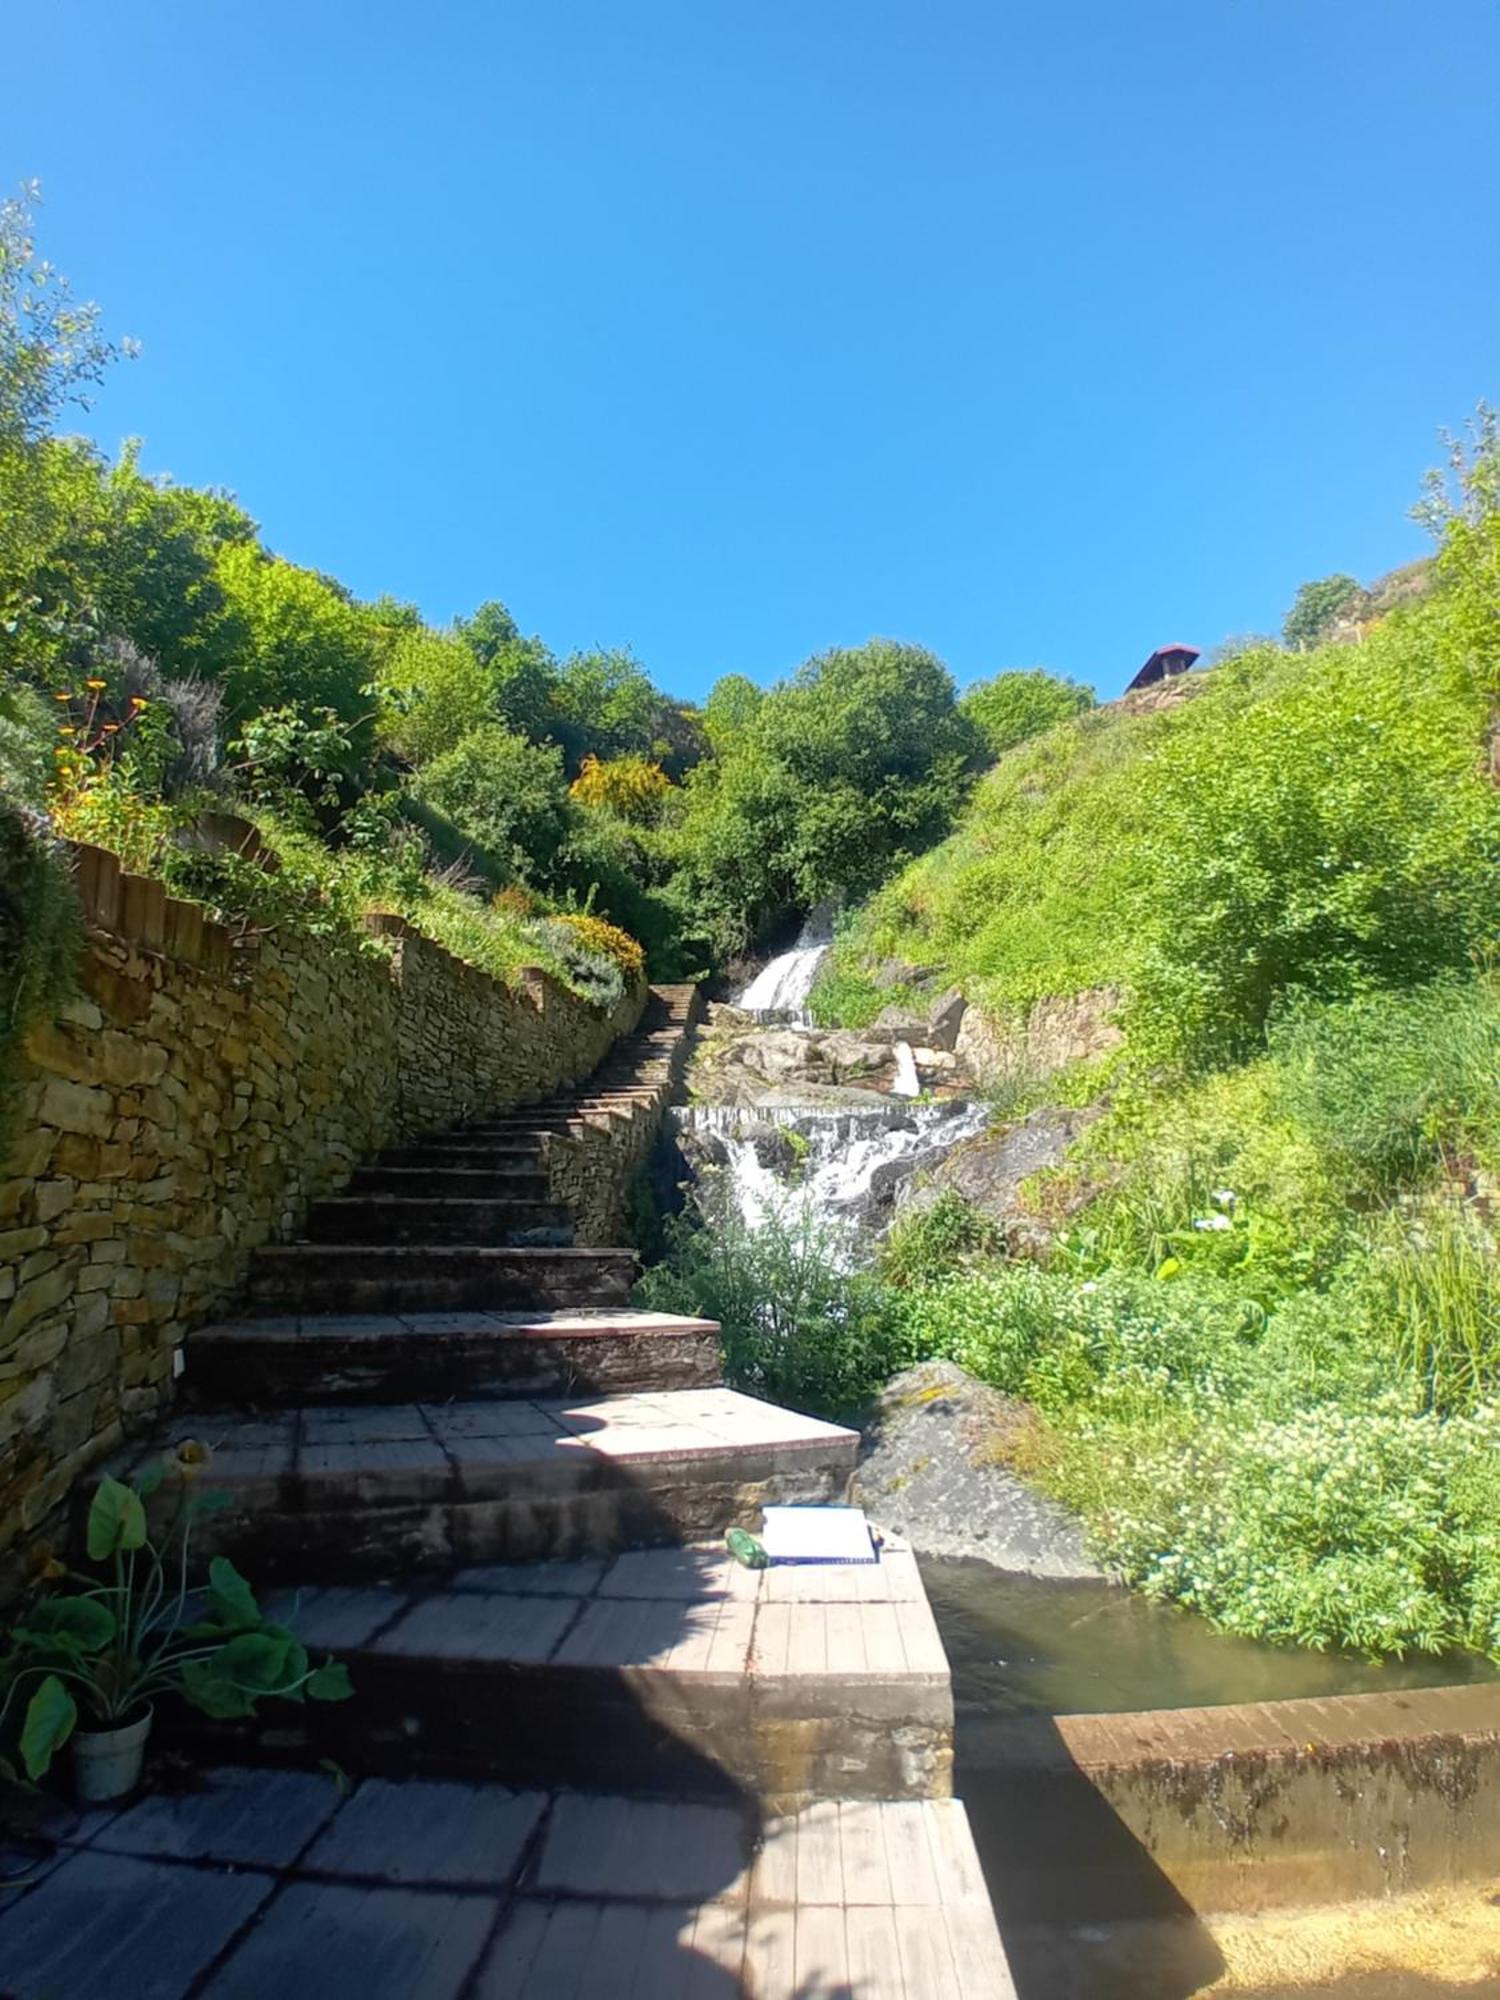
x=1050, y=1036
x=741, y=1060
x=990, y=1172
x=932, y=1469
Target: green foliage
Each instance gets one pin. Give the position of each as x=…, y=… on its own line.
x=833, y=779
x=1432, y=1284
x=1316, y=607
x=1316, y=823
x=1014, y=707
x=433, y=693
x=926, y=1243
x=1390, y=1086
x=798, y=1326
x=730, y=711
x=508, y=795
x=115, y=1643
x=304, y=646
x=1337, y=835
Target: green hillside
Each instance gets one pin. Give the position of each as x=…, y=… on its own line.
x=1263, y=1350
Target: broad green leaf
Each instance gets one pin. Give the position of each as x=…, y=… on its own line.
x=209, y=1691
x=50, y=1716
x=117, y=1520
x=230, y=1597
x=82, y=1622
x=147, y=1480
x=331, y=1682
x=253, y=1659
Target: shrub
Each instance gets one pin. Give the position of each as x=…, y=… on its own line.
x=798, y=1325
x=608, y=941
x=927, y=1243
x=506, y=794
x=1013, y=707
x=1373, y=1529
x=631, y=787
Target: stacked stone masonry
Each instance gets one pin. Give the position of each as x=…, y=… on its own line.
x=188, y=1105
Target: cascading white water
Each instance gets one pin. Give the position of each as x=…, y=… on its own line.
x=782, y=986
x=850, y=1158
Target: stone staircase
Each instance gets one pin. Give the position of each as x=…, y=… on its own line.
x=471, y=1470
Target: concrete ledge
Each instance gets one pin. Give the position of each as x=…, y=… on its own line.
x=1248, y=1807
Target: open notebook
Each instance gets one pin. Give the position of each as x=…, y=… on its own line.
x=817, y=1535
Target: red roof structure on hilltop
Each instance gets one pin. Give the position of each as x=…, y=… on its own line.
x=1163, y=663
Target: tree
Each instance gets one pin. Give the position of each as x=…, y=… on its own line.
x=154, y=576
x=52, y=354
x=523, y=672
x=52, y=351
x=1017, y=705
x=858, y=762
x=305, y=645
x=732, y=706
x=507, y=795
x=433, y=693
x=1316, y=608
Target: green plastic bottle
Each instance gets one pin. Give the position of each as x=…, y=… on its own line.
x=744, y=1547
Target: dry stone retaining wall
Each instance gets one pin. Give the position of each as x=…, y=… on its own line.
x=186, y=1108
x=591, y=1167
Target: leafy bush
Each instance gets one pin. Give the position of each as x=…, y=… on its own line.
x=606, y=940
x=925, y=1244
x=506, y=794
x=1014, y=707
x=1338, y=836
x=1373, y=1529
x=799, y=1326
x=631, y=787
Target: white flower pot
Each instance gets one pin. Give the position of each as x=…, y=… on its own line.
x=107, y=1762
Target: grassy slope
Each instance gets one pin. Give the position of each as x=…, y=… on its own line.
x=1265, y=1353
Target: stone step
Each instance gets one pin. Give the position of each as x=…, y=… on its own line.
x=648, y=1672
x=250, y=1882
x=439, y=1218
x=519, y=1182
x=338, y=1492
x=379, y=1278
x=492, y=1156
x=374, y=1359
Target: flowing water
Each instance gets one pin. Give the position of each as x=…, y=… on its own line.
x=783, y=986
x=1038, y=1645
x=844, y=1164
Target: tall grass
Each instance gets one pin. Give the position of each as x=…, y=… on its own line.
x=1433, y=1285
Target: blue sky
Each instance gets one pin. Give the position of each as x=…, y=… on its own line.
x=1035, y=333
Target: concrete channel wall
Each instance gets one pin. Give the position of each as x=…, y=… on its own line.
x=1107, y=1818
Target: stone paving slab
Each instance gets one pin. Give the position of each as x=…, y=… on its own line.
x=432, y=1891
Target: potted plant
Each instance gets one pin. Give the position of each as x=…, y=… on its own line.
x=89, y=1662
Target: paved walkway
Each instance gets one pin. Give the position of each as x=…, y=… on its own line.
x=275, y=1882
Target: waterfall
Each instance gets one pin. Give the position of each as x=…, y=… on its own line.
x=849, y=1162
x=782, y=986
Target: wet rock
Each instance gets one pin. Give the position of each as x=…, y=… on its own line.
x=932, y=1469
x=989, y=1171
